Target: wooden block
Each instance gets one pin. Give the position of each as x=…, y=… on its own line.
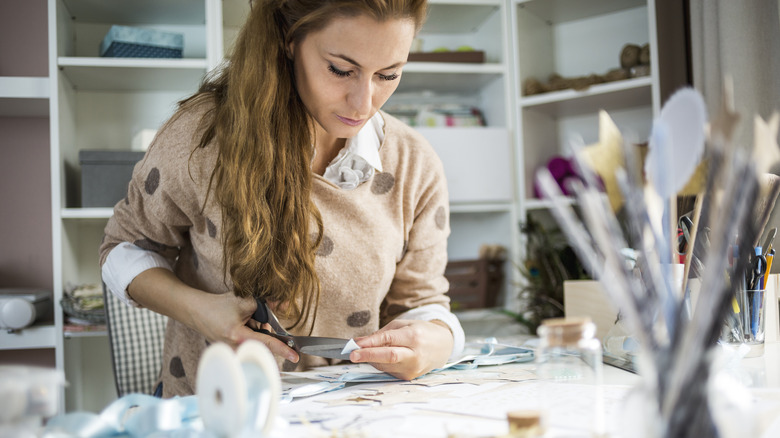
x=587, y=298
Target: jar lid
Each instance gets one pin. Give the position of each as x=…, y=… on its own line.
x=561, y=331
x=523, y=419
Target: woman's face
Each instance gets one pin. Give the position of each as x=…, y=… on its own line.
x=345, y=72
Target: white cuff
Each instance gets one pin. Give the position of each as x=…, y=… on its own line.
x=430, y=312
x=124, y=263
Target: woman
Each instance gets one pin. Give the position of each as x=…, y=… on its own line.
x=281, y=179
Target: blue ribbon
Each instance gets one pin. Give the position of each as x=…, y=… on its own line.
x=134, y=415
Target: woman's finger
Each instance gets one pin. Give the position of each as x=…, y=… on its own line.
x=387, y=338
x=382, y=355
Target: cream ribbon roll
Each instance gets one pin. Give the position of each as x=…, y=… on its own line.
x=238, y=392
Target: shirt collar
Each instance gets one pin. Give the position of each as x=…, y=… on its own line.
x=368, y=140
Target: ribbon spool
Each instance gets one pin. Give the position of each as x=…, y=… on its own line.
x=238, y=392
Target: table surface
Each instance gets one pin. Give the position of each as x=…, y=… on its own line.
x=474, y=403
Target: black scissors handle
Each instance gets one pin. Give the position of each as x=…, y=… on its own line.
x=757, y=270
x=264, y=315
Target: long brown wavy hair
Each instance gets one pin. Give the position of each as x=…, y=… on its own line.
x=262, y=179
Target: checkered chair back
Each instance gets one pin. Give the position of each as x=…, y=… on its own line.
x=136, y=336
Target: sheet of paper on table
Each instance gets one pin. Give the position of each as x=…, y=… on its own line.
x=452, y=402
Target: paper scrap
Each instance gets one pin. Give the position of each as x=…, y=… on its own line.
x=350, y=347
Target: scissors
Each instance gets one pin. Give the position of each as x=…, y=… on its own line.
x=685, y=227
x=312, y=345
x=757, y=270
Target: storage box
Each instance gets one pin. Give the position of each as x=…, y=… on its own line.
x=474, y=284
x=134, y=42
x=105, y=175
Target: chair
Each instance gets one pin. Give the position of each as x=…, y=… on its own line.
x=136, y=337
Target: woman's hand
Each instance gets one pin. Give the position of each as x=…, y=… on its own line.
x=227, y=318
x=218, y=317
x=406, y=348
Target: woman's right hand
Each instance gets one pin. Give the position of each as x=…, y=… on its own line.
x=228, y=318
x=218, y=317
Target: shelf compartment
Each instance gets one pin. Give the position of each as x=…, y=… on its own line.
x=453, y=16
x=567, y=45
x=137, y=11
x=24, y=96
x=444, y=78
x=477, y=162
x=35, y=336
x=629, y=93
x=132, y=74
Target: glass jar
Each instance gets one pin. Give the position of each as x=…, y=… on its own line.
x=569, y=365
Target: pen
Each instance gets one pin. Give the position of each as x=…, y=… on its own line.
x=769, y=257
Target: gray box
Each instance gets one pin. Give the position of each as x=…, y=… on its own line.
x=105, y=175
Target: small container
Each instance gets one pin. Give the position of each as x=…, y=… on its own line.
x=525, y=424
x=569, y=360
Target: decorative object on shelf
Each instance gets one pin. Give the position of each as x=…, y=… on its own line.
x=84, y=304
x=21, y=307
x=549, y=262
x=634, y=62
x=475, y=284
x=105, y=175
x=136, y=42
x=678, y=396
x=437, y=115
x=564, y=174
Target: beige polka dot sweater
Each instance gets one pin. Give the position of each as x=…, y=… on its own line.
x=383, y=252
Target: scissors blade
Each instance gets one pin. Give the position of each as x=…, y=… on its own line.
x=330, y=348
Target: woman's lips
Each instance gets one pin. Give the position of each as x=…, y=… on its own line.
x=350, y=122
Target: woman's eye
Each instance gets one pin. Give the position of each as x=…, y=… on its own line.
x=337, y=72
x=390, y=77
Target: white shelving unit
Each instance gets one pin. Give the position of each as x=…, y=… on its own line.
x=477, y=160
x=100, y=103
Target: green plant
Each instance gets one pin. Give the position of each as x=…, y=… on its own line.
x=550, y=261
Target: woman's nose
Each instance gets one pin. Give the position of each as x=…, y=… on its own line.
x=360, y=96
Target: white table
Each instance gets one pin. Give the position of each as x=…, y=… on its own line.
x=472, y=410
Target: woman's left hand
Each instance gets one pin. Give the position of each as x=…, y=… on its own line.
x=407, y=348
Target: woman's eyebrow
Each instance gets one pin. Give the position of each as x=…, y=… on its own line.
x=356, y=64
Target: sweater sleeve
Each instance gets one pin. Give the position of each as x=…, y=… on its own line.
x=162, y=197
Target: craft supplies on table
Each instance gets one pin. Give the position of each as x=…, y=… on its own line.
x=29, y=396
x=569, y=353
